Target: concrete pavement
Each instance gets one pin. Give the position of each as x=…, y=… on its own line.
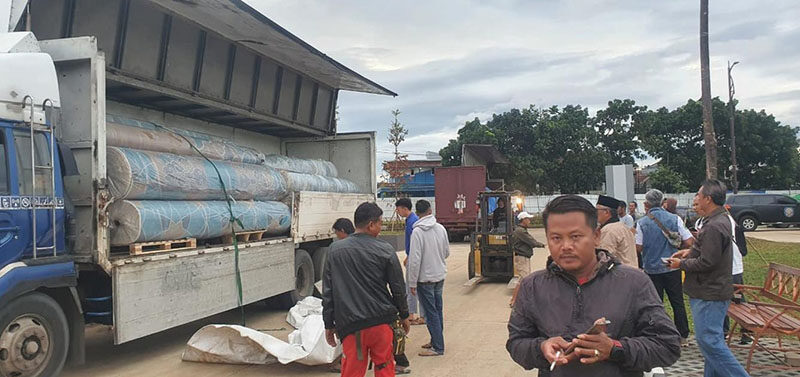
x=475, y=335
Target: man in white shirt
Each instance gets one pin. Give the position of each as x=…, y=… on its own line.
x=623, y=216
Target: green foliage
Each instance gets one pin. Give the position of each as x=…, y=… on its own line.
x=668, y=180
x=766, y=150
x=565, y=150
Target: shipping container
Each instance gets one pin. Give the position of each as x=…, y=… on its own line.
x=456, y=193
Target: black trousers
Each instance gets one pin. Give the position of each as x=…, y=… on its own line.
x=737, y=279
x=672, y=284
x=401, y=360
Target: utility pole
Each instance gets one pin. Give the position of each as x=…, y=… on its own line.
x=705, y=78
x=732, y=111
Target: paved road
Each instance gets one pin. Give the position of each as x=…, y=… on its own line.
x=475, y=336
x=776, y=235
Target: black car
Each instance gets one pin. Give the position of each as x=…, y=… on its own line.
x=750, y=210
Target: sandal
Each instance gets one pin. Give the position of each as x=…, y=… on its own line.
x=418, y=321
x=427, y=346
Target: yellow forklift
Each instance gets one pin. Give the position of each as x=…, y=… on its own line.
x=491, y=252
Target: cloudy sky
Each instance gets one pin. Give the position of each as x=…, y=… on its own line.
x=451, y=61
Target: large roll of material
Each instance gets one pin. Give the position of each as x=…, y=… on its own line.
x=301, y=165
x=129, y=133
x=142, y=221
x=136, y=174
x=310, y=182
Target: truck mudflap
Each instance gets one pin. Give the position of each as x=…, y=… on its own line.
x=19, y=278
x=151, y=295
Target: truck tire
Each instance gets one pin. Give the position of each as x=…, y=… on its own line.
x=303, y=280
x=34, y=337
x=748, y=223
x=319, y=257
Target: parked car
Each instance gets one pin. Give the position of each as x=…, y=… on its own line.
x=751, y=210
x=687, y=215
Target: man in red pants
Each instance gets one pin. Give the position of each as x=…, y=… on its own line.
x=356, y=306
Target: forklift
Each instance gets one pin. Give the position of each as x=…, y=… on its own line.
x=491, y=252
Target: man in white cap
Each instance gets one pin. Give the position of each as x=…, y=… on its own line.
x=523, y=244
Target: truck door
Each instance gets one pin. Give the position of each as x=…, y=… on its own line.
x=766, y=208
x=24, y=199
x=14, y=227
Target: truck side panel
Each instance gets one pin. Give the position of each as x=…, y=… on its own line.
x=151, y=296
x=317, y=211
x=352, y=153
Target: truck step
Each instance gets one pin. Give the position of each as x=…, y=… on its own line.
x=253, y=235
x=143, y=248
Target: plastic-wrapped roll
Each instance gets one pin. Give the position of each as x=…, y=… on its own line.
x=301, y=165
x=311, y=182
x=158, y=220
x=129, y=133
x=136, y=174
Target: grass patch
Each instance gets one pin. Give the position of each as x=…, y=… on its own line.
x=756, y=264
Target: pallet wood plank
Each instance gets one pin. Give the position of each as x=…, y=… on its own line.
x=141, y=248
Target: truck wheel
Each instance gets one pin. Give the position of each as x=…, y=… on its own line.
x=471, y=264
x=303, y=280
x=748, y=223
x=34, y=337
x=319, y=257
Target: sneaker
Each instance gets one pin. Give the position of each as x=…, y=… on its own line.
x=430, y=352
x=684, y=342
x=401, y=370
x=745, y=340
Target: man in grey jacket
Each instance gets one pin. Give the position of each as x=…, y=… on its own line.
x=426, y=272
x=580, y=285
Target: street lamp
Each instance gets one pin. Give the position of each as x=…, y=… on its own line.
x=731, y=91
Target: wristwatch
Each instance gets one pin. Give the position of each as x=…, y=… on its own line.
x=617, y=352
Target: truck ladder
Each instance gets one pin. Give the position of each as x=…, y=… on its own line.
x=48, y=129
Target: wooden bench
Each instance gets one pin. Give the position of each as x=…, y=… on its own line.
x=771, y=310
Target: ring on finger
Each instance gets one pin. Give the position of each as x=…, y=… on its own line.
x=596, y=353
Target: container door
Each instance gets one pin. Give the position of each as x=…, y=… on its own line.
x=14, y=222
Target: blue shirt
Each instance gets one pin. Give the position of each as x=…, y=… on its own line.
x=654, y=244
x=410, y=220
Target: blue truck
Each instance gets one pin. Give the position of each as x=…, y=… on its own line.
x=63, y=67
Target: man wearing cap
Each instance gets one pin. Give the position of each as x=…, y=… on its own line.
x=615, y=237
x=523, y=244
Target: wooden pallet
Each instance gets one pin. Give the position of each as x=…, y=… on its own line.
x=253, y=235
x=143, y=248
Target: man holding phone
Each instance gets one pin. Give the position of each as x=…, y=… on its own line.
x=580, y=285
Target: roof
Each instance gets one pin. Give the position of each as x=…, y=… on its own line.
x=484, y=154
x=239, y=22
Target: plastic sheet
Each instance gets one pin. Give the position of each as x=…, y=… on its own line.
x=143, y=220
x=136, y=174
x=129, y=133
x=234, y=344
x=301, y=165
x=309, y=182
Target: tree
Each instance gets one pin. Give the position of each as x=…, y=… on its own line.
x=705, y=78
x=668, y=180
x=766, y=150
x=616, y=134
x=397, y=168
x=473, y=132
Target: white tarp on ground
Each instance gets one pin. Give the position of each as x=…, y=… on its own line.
x=232, y=344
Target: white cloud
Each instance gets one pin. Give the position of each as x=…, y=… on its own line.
x=452, y=61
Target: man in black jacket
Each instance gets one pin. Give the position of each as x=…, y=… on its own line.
x=356, y=304
x=708, y=282
x=582, y=284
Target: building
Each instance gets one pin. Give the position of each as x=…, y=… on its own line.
x=414, y=177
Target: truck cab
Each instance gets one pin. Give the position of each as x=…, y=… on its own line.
x=37, y=277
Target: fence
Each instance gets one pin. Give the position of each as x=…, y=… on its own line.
x=536, y=203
